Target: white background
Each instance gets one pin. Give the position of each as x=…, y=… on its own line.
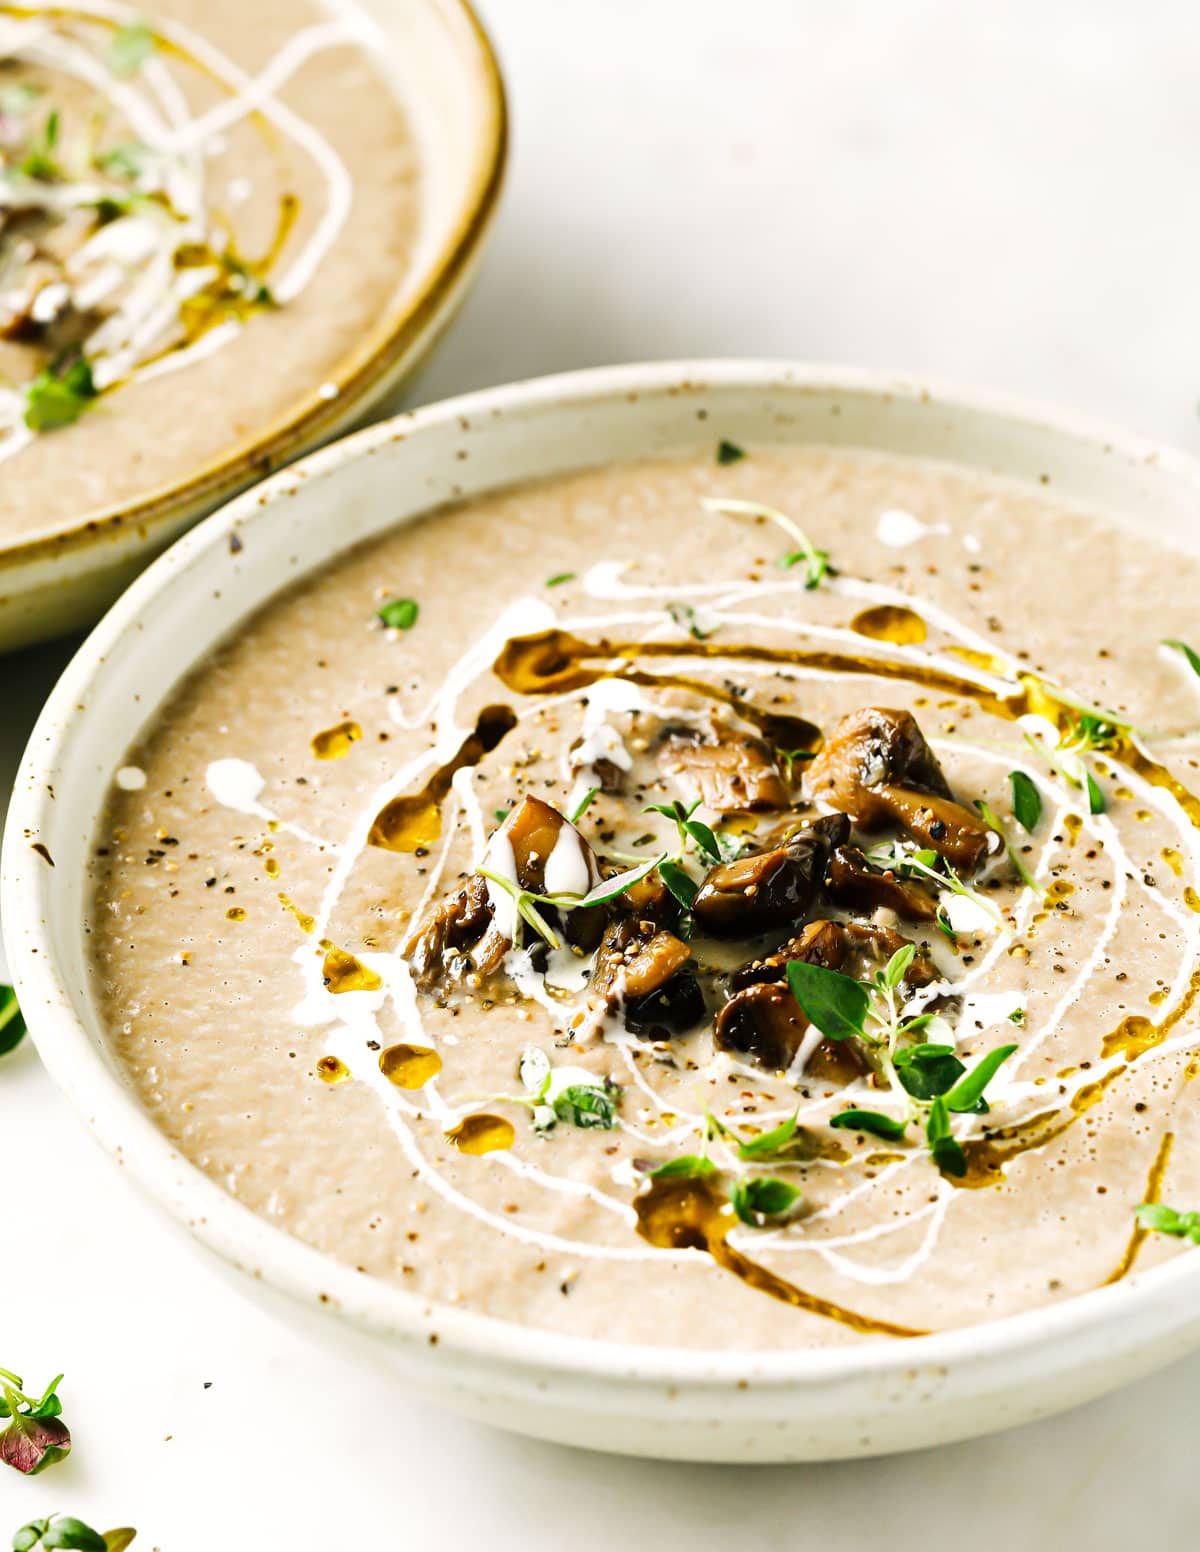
x=1004, y=195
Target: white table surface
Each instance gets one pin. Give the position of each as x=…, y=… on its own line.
x=999, y=194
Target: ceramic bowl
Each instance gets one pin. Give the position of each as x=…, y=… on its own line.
x=443, y=70
x=721, y=1406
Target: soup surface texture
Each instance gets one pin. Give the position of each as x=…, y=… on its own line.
x=203, y=216
x=734, y=902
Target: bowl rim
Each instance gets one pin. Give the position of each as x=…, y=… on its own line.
x=243, y=1239
x=360, y=370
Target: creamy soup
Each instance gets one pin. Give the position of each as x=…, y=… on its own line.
x=201, y=217
x=739, y=901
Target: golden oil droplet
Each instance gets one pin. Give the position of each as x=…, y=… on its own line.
x=331, y=1069
x=272, y=867
x=1072, y=824
x=1191, y=899
x=343, y=972
x=1018, y=951
x=305, y=921
x=890, y=622
x=1173, y=859
x=334, y=742
x=409, y=1066
x=1142, y=814
x=1123, y=793
x=482, y=1133
x=235, y=913
x=1157, y=998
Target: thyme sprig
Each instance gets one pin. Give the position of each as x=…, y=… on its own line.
x=805, y=553
x=528, y=901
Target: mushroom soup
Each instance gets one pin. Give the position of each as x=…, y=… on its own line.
x=201, y=221
x=730, y=902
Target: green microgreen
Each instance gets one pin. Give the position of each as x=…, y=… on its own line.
x=1095, y=794
x=682, y=886
x=1159, y=1219
x=772, y=1144
x=125, y=160
x=132, y=45
x=836, y=1003
x=560, y=578
x=12, y=1021
x=688, y=619
x=689, y=1166
x=926, y=1070
x=59, y=395
x=564, y=1094
x=790, y=758
x=36, y=1437
x=399, y=613
x=1014, y=856
x=908, y=861
x=873, y=1121
x=757, y=1198
x=65, y=1531
x=967, y=1094
x=527, y=901
x=729, y=452
x=1191, y=657
x=805, y=553
x=40, y=159
x=944, y=1148
x=1026, y=801
x=713, y=846
x=583, y=805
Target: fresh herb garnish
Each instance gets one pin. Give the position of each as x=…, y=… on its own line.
x=945, y=1150
x=925, y=1071
x=35, y=1437
x=772, y=1144
x=1193, y=658
x=837, y=1004
x=872, y=1121
x=689, y=1166
x=501, y=814
x=682, y=886
x=814, y=561
x=729, y=452
x=132, y=45
x=790, y=758
x=760, y=1197
x=1017, y=1016
x=583, y=805
x=527, y=901
x=1165, y=1220
x=712, y=845
x=40, y=160
x=59, y=395
x=560, y=578
x=12, y=1021
x=400, y=613
x=908, y=861
x=967, y=1094
x=686, y=617
x=1026, y=801
x=65, y=1531
x=1014, y=856
x=126, y=160
x=560, y=1096
x=1095, y=796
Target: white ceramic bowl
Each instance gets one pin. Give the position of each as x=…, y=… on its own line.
x=437, y=57
x=779, y=1405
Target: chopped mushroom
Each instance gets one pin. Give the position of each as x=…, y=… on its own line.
x=769, y=888
x=877, y=767
x=726, y=770
x=762, y=1019
x=644, y=971
x=461, y=932
x=852, y=882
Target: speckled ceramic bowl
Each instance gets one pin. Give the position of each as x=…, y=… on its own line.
x=728, y=1406
x=446, y=75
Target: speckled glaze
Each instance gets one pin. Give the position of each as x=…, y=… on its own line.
x=727, y=1406
x=446, y=75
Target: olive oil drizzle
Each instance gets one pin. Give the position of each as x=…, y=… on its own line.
x=690, y=1213
x=891, y=622
x=1154, y=1182
x=415, y=820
